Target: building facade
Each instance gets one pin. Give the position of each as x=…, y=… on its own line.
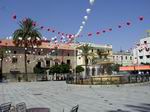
x=141, y=52
x=95, y=63
x=47, y=55
x=123, y=58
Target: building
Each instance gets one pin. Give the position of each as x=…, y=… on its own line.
x=46, y=55
x=141, y=52
x=95, y=63
x=141, y=57
x=123, y=58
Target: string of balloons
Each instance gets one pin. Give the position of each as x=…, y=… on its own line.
x=69, y=37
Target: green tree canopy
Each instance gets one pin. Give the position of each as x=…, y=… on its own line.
x=64, y=68
x=79, y=69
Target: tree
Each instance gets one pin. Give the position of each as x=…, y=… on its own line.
x=39, y=70
x=79, y=69
x=115, y=67
x=27, y=35
x=86, y=48
x=54, y=69
x=64, y=68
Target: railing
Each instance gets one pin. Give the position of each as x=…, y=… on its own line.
x=107, y=80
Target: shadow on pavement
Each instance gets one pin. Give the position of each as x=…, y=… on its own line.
x=143, y=107
x=118, y=110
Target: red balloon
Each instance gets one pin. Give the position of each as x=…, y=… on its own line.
x=110, y=29
x=48, y=29
x=70, y=35
x=119, y=26
x=98, y=33
x=41, y=27
x=141, y=18
x=128, y=23
x=34, y=23
x=104, y=31
x=62, y=33
x=14, y=16
x=53, y=31
x=89, y=34
x=58, y=32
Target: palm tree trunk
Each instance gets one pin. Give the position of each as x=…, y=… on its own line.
x=1, y=72
x=25, y=62
x=86, y=66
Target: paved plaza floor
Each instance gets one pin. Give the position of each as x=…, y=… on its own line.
x=57, y=95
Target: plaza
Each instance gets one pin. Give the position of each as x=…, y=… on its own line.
x=74, y=56
x=59, y=96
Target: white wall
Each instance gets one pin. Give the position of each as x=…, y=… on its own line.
x=141, y=52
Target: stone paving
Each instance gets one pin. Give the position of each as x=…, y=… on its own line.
x=57, y=95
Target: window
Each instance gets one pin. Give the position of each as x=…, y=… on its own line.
x=15, y=52
x=47, y=63
x=131, y=58
x=145, y=42
x=68, y=62
x=126, y=57
x=92, y=50
x=121, y=57
x=56, y=54
x=141, y=57
x=28, y=52
x=28, y=61
x=14, y=60
x=39, y=64
x=68, y=54
x=148, y=56
x=56, y=63
x=39, y=53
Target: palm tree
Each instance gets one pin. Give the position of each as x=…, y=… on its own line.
x=27, y=35
x=86, y=48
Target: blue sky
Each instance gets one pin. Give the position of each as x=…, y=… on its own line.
x=66, y=16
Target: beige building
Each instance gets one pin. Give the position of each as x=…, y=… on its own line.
x=46, y=55
x=96, y=63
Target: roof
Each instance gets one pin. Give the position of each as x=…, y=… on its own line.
x=47, y=44
x=122, y=53
x=99, y=46
x=70, y=46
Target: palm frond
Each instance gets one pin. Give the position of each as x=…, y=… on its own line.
x=27, y=30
